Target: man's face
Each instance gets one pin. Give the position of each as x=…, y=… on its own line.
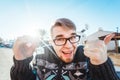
x=67, y=51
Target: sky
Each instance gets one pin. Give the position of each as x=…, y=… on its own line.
x=25, y=17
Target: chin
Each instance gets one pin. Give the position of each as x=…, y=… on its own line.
x=68, y=60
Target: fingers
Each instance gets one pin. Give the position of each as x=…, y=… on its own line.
x=24, y=44
x=91, y=52
x=26, y=40
x=24, y=47
x=29, y=44
x=108, y=38
x=94, y=44
x=96, y=51
x=93, y=48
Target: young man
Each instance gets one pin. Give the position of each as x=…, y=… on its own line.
x=64, y=60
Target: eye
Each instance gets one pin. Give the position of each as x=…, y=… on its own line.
x=60, y=39
x=73, y=38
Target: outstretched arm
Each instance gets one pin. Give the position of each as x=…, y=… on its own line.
x=23, y=50
x=21, y=70
x=99, y=64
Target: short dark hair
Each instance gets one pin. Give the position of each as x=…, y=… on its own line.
x=64, y=22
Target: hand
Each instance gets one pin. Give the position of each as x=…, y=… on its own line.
x=97, y=50
x=24, y=47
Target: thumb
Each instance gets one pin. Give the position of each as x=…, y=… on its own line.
x=108, y=38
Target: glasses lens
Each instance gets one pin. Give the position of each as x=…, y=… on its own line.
x=60, y=41
x=74, y=39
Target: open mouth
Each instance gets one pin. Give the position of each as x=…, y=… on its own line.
x=67, y=54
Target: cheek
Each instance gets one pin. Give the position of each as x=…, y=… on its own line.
x=57, y=49
x=75, y=45
x=58, y=52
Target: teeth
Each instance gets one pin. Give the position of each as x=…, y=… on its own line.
x=66, y=52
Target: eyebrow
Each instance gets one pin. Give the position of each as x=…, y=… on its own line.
x=62, y=35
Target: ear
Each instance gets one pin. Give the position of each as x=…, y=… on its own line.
x=108, y=38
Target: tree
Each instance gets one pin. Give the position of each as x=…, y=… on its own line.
x=42, y=33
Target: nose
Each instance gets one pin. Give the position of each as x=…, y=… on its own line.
x=68, y=44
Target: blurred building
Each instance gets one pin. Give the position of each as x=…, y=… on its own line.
x=99, y=33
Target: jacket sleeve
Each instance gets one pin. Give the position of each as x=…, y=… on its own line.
x=21, y=70
x=104, y=71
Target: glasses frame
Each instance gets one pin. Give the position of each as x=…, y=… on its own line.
x=69, y=39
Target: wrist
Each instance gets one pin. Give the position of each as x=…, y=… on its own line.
x=20, y=57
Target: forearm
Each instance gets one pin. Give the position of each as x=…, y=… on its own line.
x=21, y=70
x=104, y=71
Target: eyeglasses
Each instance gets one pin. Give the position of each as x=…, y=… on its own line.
x=62, y=41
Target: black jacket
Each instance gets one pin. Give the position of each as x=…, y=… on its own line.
x=49, y=67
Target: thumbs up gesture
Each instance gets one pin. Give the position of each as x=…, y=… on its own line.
x=96, y=50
